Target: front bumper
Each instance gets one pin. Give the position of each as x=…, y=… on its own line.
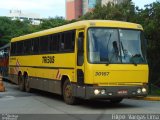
x=87, y=92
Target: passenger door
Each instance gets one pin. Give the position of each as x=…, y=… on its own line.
x=80, y=58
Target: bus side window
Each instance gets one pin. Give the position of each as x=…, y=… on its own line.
x=62, y=47
x=43, y=44
x=54, y=43
x=67, y=41
x=20, y=48
x=35, y=42
x=57, y=43
x=27, y=47
x=13, y=48
x=49, y=43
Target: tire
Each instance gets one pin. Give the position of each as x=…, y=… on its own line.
x=116, y=101
x=21, y=83
x=67, y=93
x=27, y=84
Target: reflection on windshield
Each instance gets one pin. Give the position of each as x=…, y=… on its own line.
x=115, y=46
x=131, y=46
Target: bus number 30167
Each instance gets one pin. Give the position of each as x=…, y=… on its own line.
x=101, y=73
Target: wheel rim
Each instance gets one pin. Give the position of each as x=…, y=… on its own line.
x=68, y=92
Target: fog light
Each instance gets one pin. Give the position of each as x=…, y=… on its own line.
x=96, y=91
x=144, y=90
x=103, y=92
x=110, y=94
x=139, y=91
x=133, y=93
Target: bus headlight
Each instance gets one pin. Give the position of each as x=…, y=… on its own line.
x=96, y=91
x=144, y=90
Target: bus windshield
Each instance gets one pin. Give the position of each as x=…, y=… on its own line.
x=116, y=46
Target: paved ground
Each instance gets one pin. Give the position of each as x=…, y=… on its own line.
x=17, y=102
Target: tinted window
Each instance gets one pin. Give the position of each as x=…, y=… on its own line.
x=27, y=46
x=13, y=48
x=54, y=43
x=67, y=41
x=59, y=42
x=19, y=49
x=35, y=45
x=44, y=40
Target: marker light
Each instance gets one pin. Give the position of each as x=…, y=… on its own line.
x=139, y=91
x=103, y=92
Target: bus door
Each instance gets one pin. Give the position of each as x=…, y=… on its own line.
x=80, y=58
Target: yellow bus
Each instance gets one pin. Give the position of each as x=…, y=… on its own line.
x=92, y=59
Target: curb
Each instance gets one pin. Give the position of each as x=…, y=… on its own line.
x=150, y=98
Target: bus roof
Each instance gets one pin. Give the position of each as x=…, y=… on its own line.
x=79, y=25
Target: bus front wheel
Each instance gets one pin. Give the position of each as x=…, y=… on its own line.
x=67, y=93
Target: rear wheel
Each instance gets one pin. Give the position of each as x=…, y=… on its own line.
x=67, y=93
x=27, y=84
x=21, y=83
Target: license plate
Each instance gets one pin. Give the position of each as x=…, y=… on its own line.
x=121, y=92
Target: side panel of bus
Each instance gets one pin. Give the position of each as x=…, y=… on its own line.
x=46, y=71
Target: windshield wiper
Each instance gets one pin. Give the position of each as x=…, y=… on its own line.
x=136, y=59
x=133, y=62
